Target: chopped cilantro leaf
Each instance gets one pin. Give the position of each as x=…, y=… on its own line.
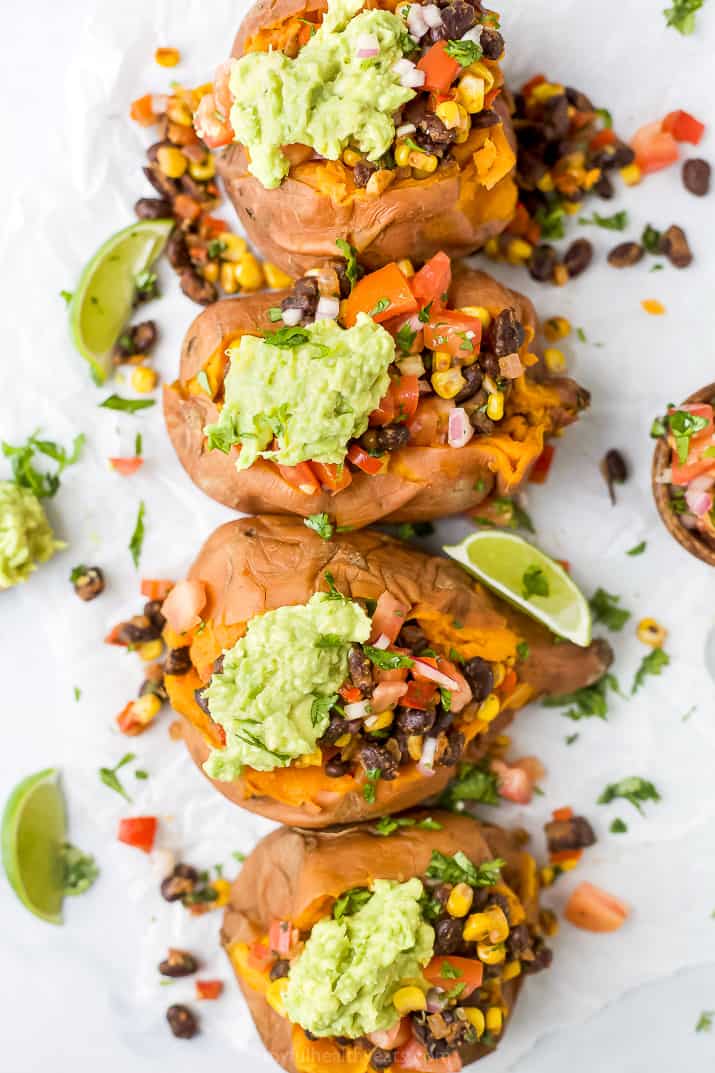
x=588, y=701
x=534, y=583
x=633, y=789
x=638, y=549
x=617, y=222
x=653, y=663
x=136, y=540
x=604, y=609
x=320, y=524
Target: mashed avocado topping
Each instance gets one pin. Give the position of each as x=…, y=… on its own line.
x=278, y=683
x=26, y=537
x=326, y=97
x=343, y=982
x=313, y=394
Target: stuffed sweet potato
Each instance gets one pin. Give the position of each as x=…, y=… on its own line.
x=402, y=945
x=383, y=126
x=387, y=399
x=332, y=681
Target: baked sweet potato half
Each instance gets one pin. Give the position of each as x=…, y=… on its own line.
x=424, y=928
x=329, y=681
x=394, y=398
x=383, y=124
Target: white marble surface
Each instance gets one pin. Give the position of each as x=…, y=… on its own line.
x=87, y=993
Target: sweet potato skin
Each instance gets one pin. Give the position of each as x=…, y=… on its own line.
x=421, y=483
x=258, y=564
x=314, y=865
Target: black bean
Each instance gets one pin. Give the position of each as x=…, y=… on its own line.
x=614, y=470
x=193, y=188
x=480, y=422
x=625, y=254
x=182, y=1022
x=604, y=188
x=153, y=208
x=674, y=245
x=579, y=100
x=89, y=583
x=137, y=630
x=152, y=153
x=578, y=256
x=388, y=438
x=506, y=334
x=518, y=941
x=218, y=664
x=381, y=1058
x=335, y=768
x=336, y=728
x=202, y=700
x=575, y=833
x=415, y=721
x=486, y=118
x=152, y=611
x=623, y=156
x=696, y=176
x=543, y=957
x=457, y=18
x=556, y=118
x=360, y=669
x=186, y=871
x=178, y=661
x=412, y=636
x=492, y=43
x=480, y=676
x=432, y=135
x=362, y=172
x=175, y=888
x=342, y=274
x=375, y=758
x=542, y=263
x=177, y=251
x=452, y=751
x=531, y=168
x=279, y=969
x=144, y=336
x=473, y=377
x=197, y=288
x=168, y=188
x=154, y=682
x=448, y=935
x=179, y=963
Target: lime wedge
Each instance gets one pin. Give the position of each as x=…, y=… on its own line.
x=102, y=301
x=33, y=832
x=527, y=578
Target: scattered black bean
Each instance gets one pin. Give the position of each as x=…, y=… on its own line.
x=178, y=661
x=143, y=336
x=473, y=381
x=543, y=957
x=388, y=438
x=152, y=611
x=604, y=188
x=480, y=676
x=625, y=254
x=579, y=100
x=335, y=767
x=154, y=682
x=492, y=43
x=674, y=245
x=556, y=117
x=486, y=118
x=182, y=1022
x=414, y=720
x=89, y=584
x=449, y=749
x=178, y=963
x=696, y=176
x=448, y=935
x=457, y=18
x=168, y=188
x=177, y=251
x=202, y=700
x=136, y=631
x=542, y=263
x=375, y=758
x=153, y=208
x=575, y=833
x=614, y=470
x=197, y=288
x=505, y=334
x=578, y=257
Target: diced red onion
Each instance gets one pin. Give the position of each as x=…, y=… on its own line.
x=416, y=22
x=327, y=309
x=475, y=34
x=383, y=642
x=405, y=129
x=436, y=999
x=424, y=670
x=698, y=496
x=408, y=74
x=688, y=520
x=426, y=761
x=431, y=15
x=459, y=429
x=292, y=317
x=358, y=710
x=367, y=46
x=510, y=366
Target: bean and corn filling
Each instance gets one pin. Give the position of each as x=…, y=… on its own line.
x=481, y=940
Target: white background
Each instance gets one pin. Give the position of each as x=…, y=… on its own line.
x=88, y=992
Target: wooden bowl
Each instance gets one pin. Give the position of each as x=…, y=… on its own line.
x=661, y=461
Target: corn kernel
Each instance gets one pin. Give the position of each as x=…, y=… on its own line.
x=568, y=864
x=492, y=248
x=351, y=157
x=490, y=953
x=171, y=161
x=591, y=178
x=146, y=708
x=227, y=277
x=414, y=746
x=276, y=278
x=561, y=275
x=651, y=633
x=546, y=183
x=447, y=384
x=344, y=740
x=653, y=306
x=544, y=90
x=476, y=1019
x=511, y=970
x=554, y=359
x=441, y=360
x=223, y=891
x=409, y=1000
x=449, y=113
x=489, y=708
x=167, y=57
x=548, y=921
x=476, y=928
x=379, y=722
x=557, y=328
x=494, y=1019
x=420, y=161
x=495, y=406
x=631, y=174
x=310, y=759
x=274, y=994
x=203, y=170
x=210, y=271
x=460, y=900
x=498, y=924
x=150, y=650
x=249, y=273
x=234, y=247
x=379, y=181
x=470, y=93
x=402, y=154
x=143, y=379
x=482, y=70
x=499, y=674
x=518, y=251
x=406, y=267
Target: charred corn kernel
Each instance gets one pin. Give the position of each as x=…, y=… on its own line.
x=227, y=277
x=653, y=306
x=548, y=921
x=478, y=311
x=406, y=267
x=518, y=251
x=591, y=178
x=276, y=278
x=274, y=994
x=475, y=1017
x=379, y=181
x=470, y=93
x=143, y=379
x=547, y=875
x=343, y=741
x=476, y=928
x=495, y=406
x=490, y=953
x=402, y=154
x=554, y=359
x=234, y=247
x=491, y=248
x=557, y=328
x=651, y=633
x=414, y=746
x=167, y=57
x=572, y=208
x=249, y=273
x=150, y=650
x=494, y=1019
x=511, y=970
x=351, y=157
x=460, y=900
x=561, y=275
x=171, y=161
x=204, y=170
x=409, y=1000
x=441, y=360
x=447, y=384
x=145, y=708
x=178, y=111
x=544, y=90
x=546, y=183
x=210, y=271
x=379, y=722
x=489, y=708
x=499, y=673
x=631, y=174
x=420, y=161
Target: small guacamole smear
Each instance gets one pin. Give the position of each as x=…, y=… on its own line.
x=343, y=982
x=279, y=681
x=26, y=538
x=326, y=97
x=312, y=398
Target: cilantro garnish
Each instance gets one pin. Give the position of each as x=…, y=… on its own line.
x=352, y=268
x=110, y=778
x=522, y=650
x=705, y=1021
x=604, y=609
x=459, y=869
x=633, y=789
x=617, y=222
x=380, y=306
x=387, y=661
x=551, y=220
x=387, y=825
x=320, y=708
x=127, y=406
x=349, y=902
x=588, y=701
x=681, y=16
x=464, y=52
x=320, y=524
x=473, y=783
x=289, y=338
x=405, y=337
x=79, y=870
x=618, y=827
x=24, y=473
x=653, y=663
x=638, y=549
x=684, y=426
x=534, y=582
x=370, y=788
x=650, y=239
x=136, y=540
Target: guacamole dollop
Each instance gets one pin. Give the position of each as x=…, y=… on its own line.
x=326, y=97
x=312, y=397
x=26, y=537
x=279, y=681
x=343, y=982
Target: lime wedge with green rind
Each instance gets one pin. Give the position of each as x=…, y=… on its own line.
x=33, y=833
x=102, y=301
x=501, y=560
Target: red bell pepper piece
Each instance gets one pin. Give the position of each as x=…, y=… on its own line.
x=440, y=69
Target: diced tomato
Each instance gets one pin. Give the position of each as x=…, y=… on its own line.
x=394, y=325
x=400, y=402
x=126, y=466
x=184, y=604
x=142, y=111
x=332, y=476
x=364, y=461
x=456, y=333
x=594, y=909
x=222, y=89
x=565, y=855
x=281, y=937
x=420, y=695
x=565, y=813
x=138, y=831
x=186, y=208
x=385, y=412
x=130, y=723
x=260, y=956
x=541, y=467
x=430, y=425
x=682, y=475
x=208, y=989
x=112, y=637
x=390, y=1038
x=432, y=281
x=695, y=465
x=213, y=128
x=350, y=694
x=383, y=294
x=603, y=138
x=467, y=971
x=534, y=81
x=412, y=1055
x=513, y=782
x=654, y=147
x=156, y=588
x=385, y=695
x=440, y=69
x=389, y=617
x=684, y=127
x=300, y=477
x=212, y=226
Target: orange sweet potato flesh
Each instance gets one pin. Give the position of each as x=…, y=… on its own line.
x=296, y=224
x=421, y=482
x=296, y=875
x=259, y=564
